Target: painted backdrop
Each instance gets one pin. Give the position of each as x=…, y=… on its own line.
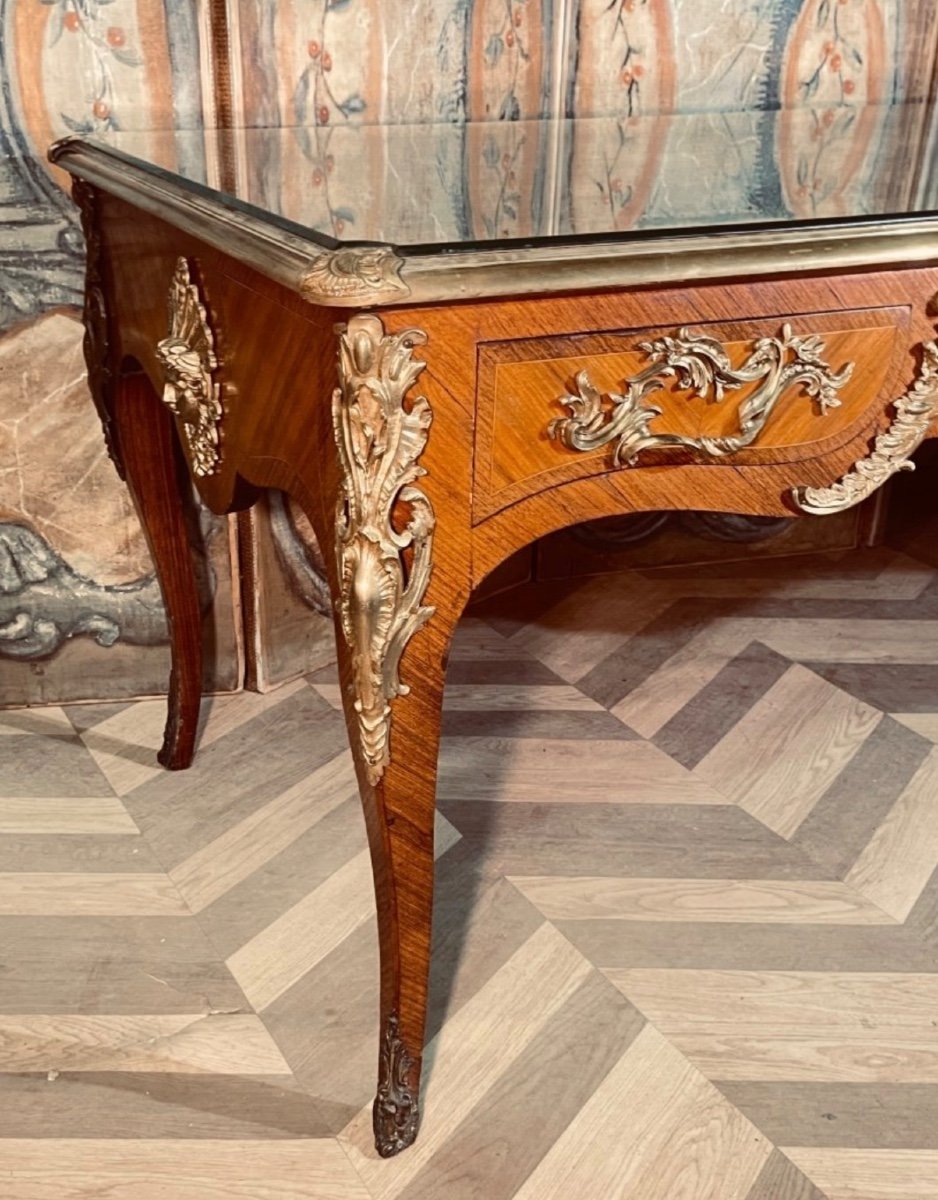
x=717, y=108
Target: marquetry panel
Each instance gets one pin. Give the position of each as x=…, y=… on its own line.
x=522, y=383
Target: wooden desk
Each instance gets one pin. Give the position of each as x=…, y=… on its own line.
x=434, y=408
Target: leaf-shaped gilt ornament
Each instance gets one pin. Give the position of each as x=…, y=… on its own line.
x=700, y=364
x=380, y=441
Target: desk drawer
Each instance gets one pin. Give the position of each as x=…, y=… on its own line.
x=555, y=409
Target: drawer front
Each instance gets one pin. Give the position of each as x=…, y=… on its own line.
x=556, y=409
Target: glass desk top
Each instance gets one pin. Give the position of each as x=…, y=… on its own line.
x=493, y=192
x=443, y=185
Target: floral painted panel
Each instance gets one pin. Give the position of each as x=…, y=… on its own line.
x=77, y=66
x=80, y=609
x=329, y=67
x=508, y=82
x=622, y=66
x=776, y=108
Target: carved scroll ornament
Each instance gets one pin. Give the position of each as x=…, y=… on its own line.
x=188, y=359
x=380, y=443
x=701, y=364
x=892, y=449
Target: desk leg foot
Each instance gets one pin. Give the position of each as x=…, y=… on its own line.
x=396, y=1109
x=182, y=719
x=151, y=460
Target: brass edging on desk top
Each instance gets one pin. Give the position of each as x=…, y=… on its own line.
x=378, y=275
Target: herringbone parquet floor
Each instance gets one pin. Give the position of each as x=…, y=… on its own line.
x=686, y=942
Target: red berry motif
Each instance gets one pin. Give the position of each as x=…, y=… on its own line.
x=116, y=37
x=314, y=49
x=339, y=225
x=71, y=21
x=836, y=62
x=326, y=61
x=323, y=115
x=101, y=110
x=849, y=87
x=317, y=177
x=509, y=38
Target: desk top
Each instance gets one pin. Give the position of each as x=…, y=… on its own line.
x=377, y=215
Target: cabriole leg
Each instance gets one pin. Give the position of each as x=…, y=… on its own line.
x=152, y=464
x=393, y=636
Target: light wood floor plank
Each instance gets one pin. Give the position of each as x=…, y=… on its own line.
x=784, y=754
x=124, y=746
x=466, y=1059
x=870, y=1174
x=65, y=814
x=529, y=697
x=677, y=681
x=51, y=722
x=131, y=1169
x=654, y=1129
x=475, y=639
x=884, y=1054
x=285, y=950
x=47, y=894
x=574, y=771
x=654, y=702
x=851, y=640
x=902, y=579
x=767, y=901
x=208, y=1043
x=588, y=624
x=230, y=858
x=775, y=1001
x=925, y=723
x=794, y=1026
x=899, y=860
